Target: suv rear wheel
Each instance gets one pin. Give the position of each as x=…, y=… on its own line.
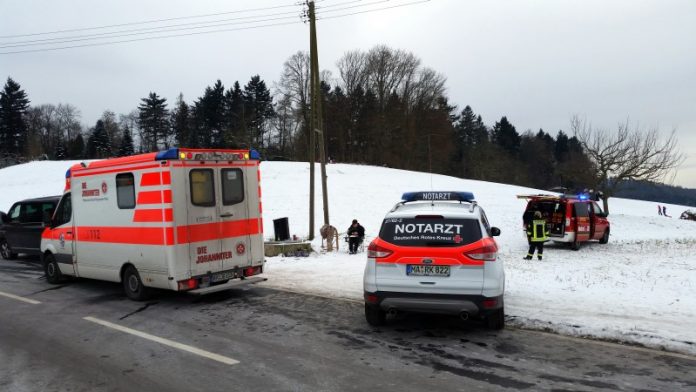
x=5, y=251
x=496, y=320
x=374, y=315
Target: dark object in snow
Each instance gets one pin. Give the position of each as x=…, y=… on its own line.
x=688, y=215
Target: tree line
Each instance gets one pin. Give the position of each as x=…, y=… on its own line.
x=383, y=108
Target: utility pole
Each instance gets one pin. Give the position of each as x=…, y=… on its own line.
x=316, y=124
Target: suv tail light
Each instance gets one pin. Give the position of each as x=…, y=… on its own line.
x=488, y=251
x=375, y=251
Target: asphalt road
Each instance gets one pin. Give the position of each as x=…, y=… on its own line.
x=86, y=336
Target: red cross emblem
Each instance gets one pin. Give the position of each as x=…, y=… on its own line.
x=457, y=239
x=240, y=248
x=104, y=188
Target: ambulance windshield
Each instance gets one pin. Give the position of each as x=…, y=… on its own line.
x=430, y=232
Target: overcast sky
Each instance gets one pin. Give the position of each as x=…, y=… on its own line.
x=536, y=62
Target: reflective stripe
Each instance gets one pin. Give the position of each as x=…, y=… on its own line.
x=156, y=178
x=214, y=231
x=155, y=197
x=153, y=215
x=126, y=235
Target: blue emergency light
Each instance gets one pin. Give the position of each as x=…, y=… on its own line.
x=437, y=196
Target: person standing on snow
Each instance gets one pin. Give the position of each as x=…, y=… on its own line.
x=537, y=234
x=356, y=234
x=659, y=210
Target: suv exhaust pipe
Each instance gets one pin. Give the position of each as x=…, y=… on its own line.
x=464, y=315
x=392, y=312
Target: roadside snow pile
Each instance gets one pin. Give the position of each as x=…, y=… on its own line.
x=639, y=288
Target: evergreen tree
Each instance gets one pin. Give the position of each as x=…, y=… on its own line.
x=234, y=114
x=154, y=122
x=258, y=109
x=561, y=147
x=505, y=135
x=99, y=143
x=181, y=123
x=126, y=147
x=209, y=114
x=76, y=149
x=13, y=128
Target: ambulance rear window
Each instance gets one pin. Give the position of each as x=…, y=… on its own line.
x=202, y=187
x=232, y=186
x=430, y=232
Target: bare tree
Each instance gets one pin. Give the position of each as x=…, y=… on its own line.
x=626, y=154
x=352, y=69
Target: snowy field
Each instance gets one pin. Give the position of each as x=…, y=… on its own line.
x=639, y=288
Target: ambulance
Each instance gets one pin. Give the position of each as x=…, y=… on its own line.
x=180, y=219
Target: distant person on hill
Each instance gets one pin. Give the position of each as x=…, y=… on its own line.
x=356, y=234
x=537, y=234
x=659, y=210
x=664, y=211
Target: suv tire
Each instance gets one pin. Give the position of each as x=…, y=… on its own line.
x=6, y=251
x=52, y=270
x=496, y=320
x=133, y=285
x=374, y=315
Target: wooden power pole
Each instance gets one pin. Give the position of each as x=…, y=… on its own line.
x=316, y=125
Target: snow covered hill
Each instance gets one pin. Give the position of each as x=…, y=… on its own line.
x=640, y=288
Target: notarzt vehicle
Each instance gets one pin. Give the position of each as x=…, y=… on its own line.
x=570, y=219
x=435, y=253
x=179, y=219
x=20, y=230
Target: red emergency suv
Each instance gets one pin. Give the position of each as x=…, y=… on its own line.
x=571, y=219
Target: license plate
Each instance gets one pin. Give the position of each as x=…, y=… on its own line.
x=220, y=276
x=427, y=270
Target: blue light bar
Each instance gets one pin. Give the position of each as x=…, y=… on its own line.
x=253, y=154
x=583, y=196
x=67, y=173
x=172, y=153
x=435, y=196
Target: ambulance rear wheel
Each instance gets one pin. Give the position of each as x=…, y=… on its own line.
x=52, y=270
x=133, y=285
x=374, y=315
x=605, y=237
x=6, y=252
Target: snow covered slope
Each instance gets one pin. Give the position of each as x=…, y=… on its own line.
x=641, y=287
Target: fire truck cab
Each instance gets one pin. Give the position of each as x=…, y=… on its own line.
x=571, y=219
x=180, y=219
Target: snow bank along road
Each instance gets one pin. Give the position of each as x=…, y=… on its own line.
x=639, y=288
x=87, y=336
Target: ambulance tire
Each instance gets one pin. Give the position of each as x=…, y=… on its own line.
x=52, y=270
x=375, y=316
x=605, y=237
x=5, y=251
x=496, y=320
x=133, y=285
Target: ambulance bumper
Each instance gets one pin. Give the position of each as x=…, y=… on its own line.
x=234, y=283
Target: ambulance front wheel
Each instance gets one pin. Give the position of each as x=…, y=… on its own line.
x=133, y=285
x=52, y=270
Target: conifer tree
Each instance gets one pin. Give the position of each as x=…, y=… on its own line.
x=234, y=117
x=99, y=143
x=76, y=149
x=258, y=109
x=181, y=124
x=13, y=128
x=126, y=147
x=505, y=135
x=154, y=122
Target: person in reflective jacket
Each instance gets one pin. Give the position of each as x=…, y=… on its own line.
x=537, y=234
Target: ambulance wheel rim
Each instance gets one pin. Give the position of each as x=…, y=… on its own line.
x=133, y=283
x=51, y=269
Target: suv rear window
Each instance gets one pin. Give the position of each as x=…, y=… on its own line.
x=430, y=232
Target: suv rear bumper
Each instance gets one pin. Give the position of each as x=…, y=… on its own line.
x=472, y=305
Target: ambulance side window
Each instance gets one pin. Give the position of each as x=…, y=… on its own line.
x=202, y=187
x=125, y=190
x=232, y=186
x=64, y=211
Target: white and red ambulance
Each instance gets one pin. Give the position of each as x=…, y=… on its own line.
x=180, y=219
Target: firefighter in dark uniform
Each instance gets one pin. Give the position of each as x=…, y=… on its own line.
x=537, y=234
x=356, y=234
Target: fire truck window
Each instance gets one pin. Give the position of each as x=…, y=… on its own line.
x=125, y=190
x=64, y=211
x=232, y=186
x=202, y=187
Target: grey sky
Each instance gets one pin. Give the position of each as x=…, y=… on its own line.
x=536, y=62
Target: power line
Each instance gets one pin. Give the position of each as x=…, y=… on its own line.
x=146, y=38
x=115, y=35
x=373, y=10
x=166, y=28
x=149, y=21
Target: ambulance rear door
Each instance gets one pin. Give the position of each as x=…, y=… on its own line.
x=203, y=220
x=234, y=215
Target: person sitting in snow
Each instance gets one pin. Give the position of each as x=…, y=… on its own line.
x=356, y=234
x=537, y=234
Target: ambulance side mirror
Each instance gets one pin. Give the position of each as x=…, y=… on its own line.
x=495, y=231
